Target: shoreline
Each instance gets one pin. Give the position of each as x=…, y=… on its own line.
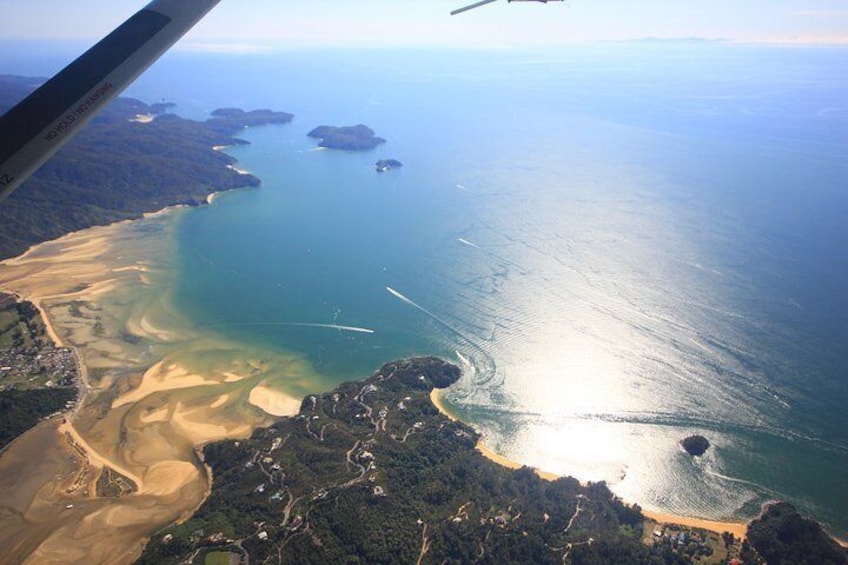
x=738, y=529
x=116, y=278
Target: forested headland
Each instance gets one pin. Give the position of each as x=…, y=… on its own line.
x=119, y=167
x=372, y=472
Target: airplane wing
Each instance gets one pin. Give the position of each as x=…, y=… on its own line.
x=32, y=131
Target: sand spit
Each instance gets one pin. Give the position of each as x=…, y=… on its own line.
x=155, y=389
x=273, y=401
x=738, y=529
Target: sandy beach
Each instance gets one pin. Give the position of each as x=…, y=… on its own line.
x=738, y=529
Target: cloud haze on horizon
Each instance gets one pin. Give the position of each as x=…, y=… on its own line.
x=264, y=23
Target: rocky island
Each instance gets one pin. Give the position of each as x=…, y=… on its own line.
x=350, y=138
x=695, y=445
x=384, y=165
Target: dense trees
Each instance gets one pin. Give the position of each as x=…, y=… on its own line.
x=372, y=473
x=783, y=537
x=117, y=169
x=22, y=409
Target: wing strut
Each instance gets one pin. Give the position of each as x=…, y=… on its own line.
x=484, y=2
x=472, y=6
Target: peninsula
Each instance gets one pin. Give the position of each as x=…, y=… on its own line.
x=349, y=138
x=130, y=160
x=372, y=469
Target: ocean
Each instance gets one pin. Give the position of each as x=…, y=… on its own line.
x=621, y=245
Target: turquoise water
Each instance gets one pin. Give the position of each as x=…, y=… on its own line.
x=621, y=244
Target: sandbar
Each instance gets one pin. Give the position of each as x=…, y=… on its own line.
x=196, y=425
x=154, y=390
x=161, y=378
x=273, y=401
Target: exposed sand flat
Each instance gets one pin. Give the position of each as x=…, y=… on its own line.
x=51, y=331
x=220, y=402
x=155, y=390
x=231, y=377
x=273, y=401
x=161, y=378
x=96, y=458
x=169, y=477
x=195, y=424
x=137, y=267
x=155, y=416
x=149, y=329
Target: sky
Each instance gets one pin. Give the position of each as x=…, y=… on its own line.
x=259, y=24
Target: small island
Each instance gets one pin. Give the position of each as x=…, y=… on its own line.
x=695, y=445
x=384, y=165
x=349, y=138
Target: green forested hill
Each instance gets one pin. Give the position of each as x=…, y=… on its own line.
x=117, y=168
x=371, y=472
x=782, y=536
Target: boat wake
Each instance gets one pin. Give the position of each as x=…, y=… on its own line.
x=331, y=327
x=300, y=325
x=487, y=363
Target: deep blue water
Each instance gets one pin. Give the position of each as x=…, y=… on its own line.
x=621, y=244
